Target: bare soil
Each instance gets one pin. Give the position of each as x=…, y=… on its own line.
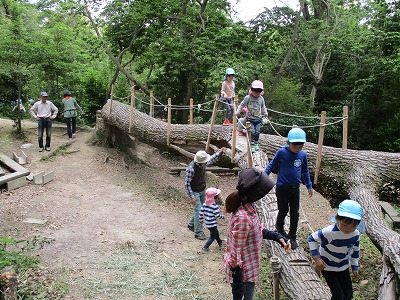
x=116, y=230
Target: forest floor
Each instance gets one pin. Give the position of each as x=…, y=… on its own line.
x=114, y=230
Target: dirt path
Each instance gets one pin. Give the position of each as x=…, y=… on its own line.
x=113, y=232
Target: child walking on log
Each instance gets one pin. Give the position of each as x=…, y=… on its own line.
x=227, y=94
x=337, y=247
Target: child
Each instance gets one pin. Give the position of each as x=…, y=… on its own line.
x=336, y=247
x=256, y=109
x=209, y=213
x=292, y=165
x=227, y=94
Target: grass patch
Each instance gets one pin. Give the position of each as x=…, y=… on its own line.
x=33, y=282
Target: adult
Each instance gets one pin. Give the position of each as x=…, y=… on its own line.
x=245, y=233
x=70, y=106
x=195, y=185
x=44, y=112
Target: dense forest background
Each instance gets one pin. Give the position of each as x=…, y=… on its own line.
x=327, y=55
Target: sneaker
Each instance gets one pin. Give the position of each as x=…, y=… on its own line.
x=240, y=132
x=294, y=244
x=222, y=245
x=205, y=250
x=226, y=122
x=74, y=134
x=70, y=139
x=40, y=149
x=47, y=148
x=253, y=148
x=200, y=236
x=256, y=147
x=191, y=228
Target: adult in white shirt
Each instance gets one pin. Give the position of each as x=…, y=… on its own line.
x=44, y=112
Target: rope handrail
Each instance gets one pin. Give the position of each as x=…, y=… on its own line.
x=299, y=116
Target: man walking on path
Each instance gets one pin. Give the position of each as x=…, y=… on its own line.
x=44, y=112
x=195, y=185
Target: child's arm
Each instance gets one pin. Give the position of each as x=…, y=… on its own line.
x=313, y=241
x=201, y=216
x=277, y=237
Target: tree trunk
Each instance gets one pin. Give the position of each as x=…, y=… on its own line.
x=364, y=176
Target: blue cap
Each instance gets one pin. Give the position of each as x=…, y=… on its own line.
x=350, y=209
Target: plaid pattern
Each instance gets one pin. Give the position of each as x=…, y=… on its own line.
x=190, y=174
x=244, y=244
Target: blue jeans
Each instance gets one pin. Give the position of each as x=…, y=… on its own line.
x=288, y=198
x=228, y=107
x=214, y=235
x=71, y=126
x=42, y=124
x=194, y=220
x=255, y=129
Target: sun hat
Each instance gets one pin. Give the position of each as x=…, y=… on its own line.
x=201, y=157
x=67, y=93
x=350, y=209
x=253, y=184
x=44, y=94
x=210, y=194
x=257, y=84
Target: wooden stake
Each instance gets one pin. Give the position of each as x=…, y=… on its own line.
x=191, y=112
x=248, y=135
x=214, y=114
x=320, y=143
x=132, y=106
x=111, y=97
x=169, y=122
x=151, y=113
x=345, y=125
x=234, y=128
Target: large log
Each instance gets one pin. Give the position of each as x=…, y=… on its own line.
x=365, y=176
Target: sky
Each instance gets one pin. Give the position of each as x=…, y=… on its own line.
x=248, y=9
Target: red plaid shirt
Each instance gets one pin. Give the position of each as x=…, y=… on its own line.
x=244, y=244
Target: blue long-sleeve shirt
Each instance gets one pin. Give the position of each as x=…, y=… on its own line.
x=336, y=249
x=292, y=167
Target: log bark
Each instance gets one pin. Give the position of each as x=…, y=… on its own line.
x=364, y=176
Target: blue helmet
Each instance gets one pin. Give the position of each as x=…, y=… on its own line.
x=230, y=71
x=296, y=135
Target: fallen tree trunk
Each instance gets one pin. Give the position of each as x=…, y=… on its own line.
x=364, y=176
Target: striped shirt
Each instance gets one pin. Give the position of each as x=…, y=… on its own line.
x=336, y=249
x=190, y=174
x=210, y=214
x=244, y=243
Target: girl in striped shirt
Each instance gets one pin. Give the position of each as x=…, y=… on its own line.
x=209, y=213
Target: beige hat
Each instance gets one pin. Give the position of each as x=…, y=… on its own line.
x=201, y=157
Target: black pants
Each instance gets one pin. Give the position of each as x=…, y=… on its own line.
x=288, y=198
x=340, y=284
x=71, y=126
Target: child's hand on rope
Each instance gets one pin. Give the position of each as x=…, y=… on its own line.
x=265, y=121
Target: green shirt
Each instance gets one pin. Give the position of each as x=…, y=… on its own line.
x=70, y=106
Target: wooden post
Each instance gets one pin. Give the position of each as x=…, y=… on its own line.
x=191, y=112
x=320, y=143
x=248, y=136
x=169, y=122
x=132, y=106
x=111, y=97
x=151, y=113
x=234, y=128
x=214, y=114
x=345, y=125
x=275, y=264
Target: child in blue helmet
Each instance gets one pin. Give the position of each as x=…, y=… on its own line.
x=292, y=165
x=227, y=94
x=337, y=247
